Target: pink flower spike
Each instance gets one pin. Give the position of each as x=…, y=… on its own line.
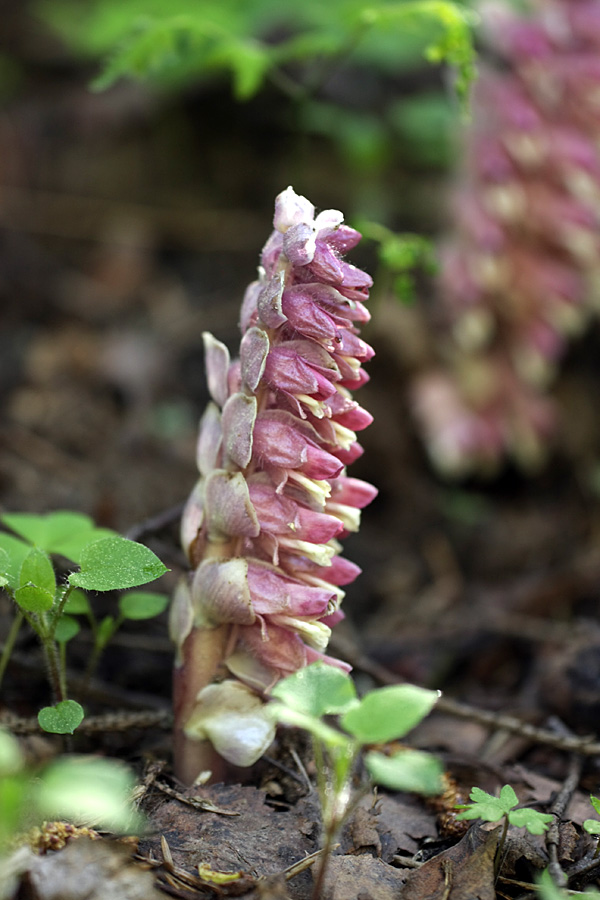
x=352, y=491
x=261, y=525
x=287, y=371
x=280, y=443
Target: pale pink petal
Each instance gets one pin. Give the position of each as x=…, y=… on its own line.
x=239, y=416
x=292, y=209
x=268, y=304
x=217, y=366
x=228, y=508
x=210, y=438
x=254, y=350
x=220, y=592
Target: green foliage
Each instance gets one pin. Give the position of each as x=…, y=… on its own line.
x=388, y=713
x=66, y=629
x=424, y=128
x=408, y=770
x=142, y=605
x=383, y=715
x=107, y=562
x=188, y=40
x=401, y=255
x=491, y=809
x=91, y=790
x=63, y=718
x=592, y=826
x=14, y=552
x=317, y=690
x=62, y=532
x=88, y=789
x=114, y=563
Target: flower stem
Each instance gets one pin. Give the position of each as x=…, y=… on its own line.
x=10, y=643
x=203, y=652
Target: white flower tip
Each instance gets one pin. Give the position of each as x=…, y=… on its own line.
x=292, y=209
x=234, y=719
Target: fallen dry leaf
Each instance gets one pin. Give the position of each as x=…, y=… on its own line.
x=362, y=878
x=464, y=872
x=89, y=870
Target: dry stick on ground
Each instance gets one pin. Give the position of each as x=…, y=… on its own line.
x=558, y=810
x=120, y=721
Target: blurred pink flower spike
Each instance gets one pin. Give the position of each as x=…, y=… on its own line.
x=261, y=527
x=520, y=273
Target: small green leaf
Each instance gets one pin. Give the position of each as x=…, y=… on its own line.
x=11, y=758
x=317, y=690
x=592, y=826
x=31, y=526
x=115, y=563
x=550, y=891
x=4, y=568
x=105, y=631
x=535, y=822
x=62, y=718
x=88, y=789
x=487, y=807
x=408, y=770
x=63, y=532
x=37, y=570
x=14, y=790
x=66, y=628
x=595, y=803
x=33, y=599
x=388, y=713
x=329, y=736
x=77, y=604
x=508, y=798
x=16, y=550
x=142, y=605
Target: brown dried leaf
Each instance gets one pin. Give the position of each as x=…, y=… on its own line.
x=464, y=872
x=90, y=870
x=361, y=878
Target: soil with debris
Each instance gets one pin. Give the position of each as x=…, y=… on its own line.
x=129, y=224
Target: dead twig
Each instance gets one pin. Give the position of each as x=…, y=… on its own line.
x=557, y=809
x=198, y=803
x=123, y=720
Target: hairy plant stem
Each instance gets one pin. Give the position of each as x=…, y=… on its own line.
x=9, y=644
x=57, y=613
x=337, y=804
x=56, y=673
x=323, y=865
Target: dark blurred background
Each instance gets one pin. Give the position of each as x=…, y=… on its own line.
x=131, y=220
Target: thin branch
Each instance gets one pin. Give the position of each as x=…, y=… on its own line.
x=120, y=721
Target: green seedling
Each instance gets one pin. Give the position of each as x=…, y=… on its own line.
x=400, y=257
x=84, y=790
x=105, y=561
x=492, y=809
x=310, y=697
x=592, y=826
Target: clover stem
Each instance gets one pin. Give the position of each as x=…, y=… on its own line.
x=9, y=643
x=56, y=673
x=203, y=653
x=500, y=849
x=57, y=613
